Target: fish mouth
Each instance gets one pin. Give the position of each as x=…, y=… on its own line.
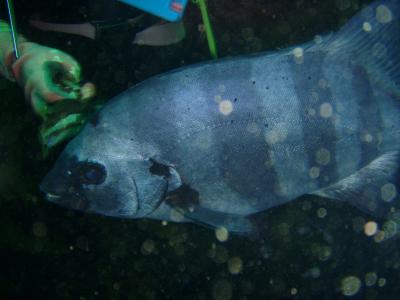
x=72, y=201
x=52, y=197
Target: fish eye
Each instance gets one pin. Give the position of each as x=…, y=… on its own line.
x=90, y=173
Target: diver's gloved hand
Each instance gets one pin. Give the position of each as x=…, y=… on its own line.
x=47, y=76
x=51, y=81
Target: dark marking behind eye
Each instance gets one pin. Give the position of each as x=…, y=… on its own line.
x=183, y=197
x=159, y=169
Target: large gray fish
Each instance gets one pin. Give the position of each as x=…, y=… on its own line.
x=219, y=141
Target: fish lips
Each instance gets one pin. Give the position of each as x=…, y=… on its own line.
x=74, y=201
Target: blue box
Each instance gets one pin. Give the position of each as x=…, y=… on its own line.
x=171, y=10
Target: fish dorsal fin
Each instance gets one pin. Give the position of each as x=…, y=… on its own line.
x=370, y=39
x=373, y=189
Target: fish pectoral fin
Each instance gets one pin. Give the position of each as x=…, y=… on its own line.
x=186, y=201
x=232, y=222
x=373, y=189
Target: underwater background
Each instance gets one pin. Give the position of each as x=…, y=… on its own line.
x=308, y=249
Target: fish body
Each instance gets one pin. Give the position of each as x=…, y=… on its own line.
x=219, y=141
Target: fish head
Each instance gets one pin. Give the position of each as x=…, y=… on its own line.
x=106, y=178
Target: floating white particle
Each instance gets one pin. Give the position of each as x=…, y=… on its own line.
x=367, y=27
x=225, y=107
x=147, y=247
x=253, y=128
x=222, y=290
x=276, y=135
x=176, y=215
x=381, y=282
x=343, y=4
x=298, y=52
x=370, y=228
x=379, y=236
x=221, y=88
x=39, y=229
x=272, y=137
x=235, y=265
x=388, y=192
x=323, y=83
x=379, y=50
x=370, y=279
x=310, y=111
x=315, y=272
x=325, y=110
x=350, y=285
x=222, y=234
x=318, y=39
x=390, y=228
x=367, y=137
x=383, y=14
x=314, y=172
x=323, y=156
x=322, y=212
x=324, y=253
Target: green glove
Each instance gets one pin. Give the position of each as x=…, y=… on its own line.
x=51, y=82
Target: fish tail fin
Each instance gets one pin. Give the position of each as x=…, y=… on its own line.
x=371, y=39
x=375, y=189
